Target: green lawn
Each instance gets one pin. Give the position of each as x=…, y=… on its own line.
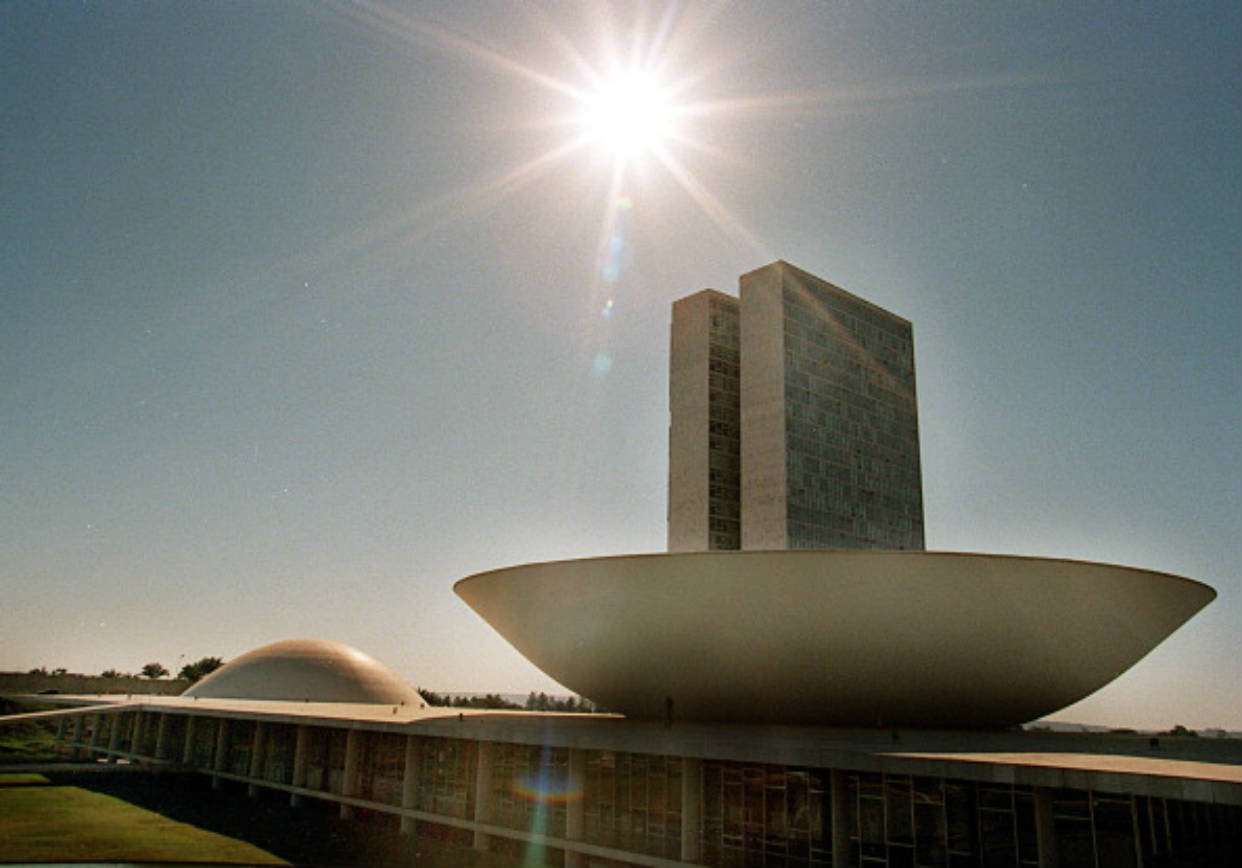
x=14, y=779
x=64, y=823
x=27, y=742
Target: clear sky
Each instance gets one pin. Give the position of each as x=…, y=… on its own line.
x=308, y=310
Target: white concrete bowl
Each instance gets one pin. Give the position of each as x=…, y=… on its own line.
x=833, y=637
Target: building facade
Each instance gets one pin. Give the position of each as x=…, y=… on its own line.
x=705, y=427
x=554, y=790
x=805, y=394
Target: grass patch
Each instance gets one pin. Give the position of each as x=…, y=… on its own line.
x=64, y=823
x=310, y=835
x=28, y=742
x=21, y=779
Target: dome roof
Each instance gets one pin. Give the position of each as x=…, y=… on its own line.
x=306, y=670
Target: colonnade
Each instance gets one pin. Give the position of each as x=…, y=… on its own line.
x=455, y=783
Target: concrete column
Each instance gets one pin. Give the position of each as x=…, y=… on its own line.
x=1151, y=824
x=301, y=749
x=1164, y=810
x=349, y=775
x=75, y=752
x=575, y=808
x=161, y=736
x=409, y=781
x=1138, y=835
x=96, y=723
x=1045, y=828
x=135, y=742
x=220, y=756
x=482, y=792
x=114, y=734
x=691, y=809
x=187, y=746
x=257, y=746
x=60, y=729
x=839, y=792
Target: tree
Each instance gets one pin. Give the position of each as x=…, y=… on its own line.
x=111, y=673
x=433, y=698
x=199, y=669
x=154, y=670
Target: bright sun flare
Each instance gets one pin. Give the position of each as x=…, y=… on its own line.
x=628, y=116
x=624, y=106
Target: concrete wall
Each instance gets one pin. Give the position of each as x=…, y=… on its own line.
x=764, y=485
x=687, y=433
x=704, y=492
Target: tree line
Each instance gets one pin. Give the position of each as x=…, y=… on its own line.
x=534, y=702
x=190, y=672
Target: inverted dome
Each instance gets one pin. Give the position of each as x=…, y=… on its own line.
x=833, y=637
x=309, y=670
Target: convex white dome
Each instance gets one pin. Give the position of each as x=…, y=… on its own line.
x=310, y=670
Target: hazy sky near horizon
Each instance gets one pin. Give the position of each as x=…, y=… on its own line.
x=308, y=310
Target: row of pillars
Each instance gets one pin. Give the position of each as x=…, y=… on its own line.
x=691, y=790
x=691, y=795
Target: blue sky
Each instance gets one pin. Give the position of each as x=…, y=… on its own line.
x=291, y=341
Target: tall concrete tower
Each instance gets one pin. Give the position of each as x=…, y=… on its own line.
x=818, y=385
x=705, y=427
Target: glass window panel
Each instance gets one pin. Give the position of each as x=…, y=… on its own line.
x=775, y=810
x=1024, y=815
x=930, y=846
x=900, y=856
x=960, y=807
x=1073, y=839
x=796, y=802
x=1114, y=834
x=900, y=828
x=997, y=847
x=754, y=797
x=871, y=827
x=1001, y=799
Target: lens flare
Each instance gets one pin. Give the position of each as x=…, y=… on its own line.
x=546, y=789
x=629, y=115
x=635, y=90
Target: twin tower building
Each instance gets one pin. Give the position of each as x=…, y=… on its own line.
x=794, y=421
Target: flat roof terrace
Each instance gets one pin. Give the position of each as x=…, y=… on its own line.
x=1202, y=769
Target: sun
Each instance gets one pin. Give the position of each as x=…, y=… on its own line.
x=629, y=115
x=638, y=96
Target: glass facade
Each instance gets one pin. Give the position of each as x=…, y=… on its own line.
x=382, y=769
x=317, y=768
x=633, y=802
x=529, y=788
x=831, y=456
x=446, y=777
x=851, y=422
x=748, y=814
x=765, y=815
x=724, y=436
x=279, y=741
x=239, y=743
